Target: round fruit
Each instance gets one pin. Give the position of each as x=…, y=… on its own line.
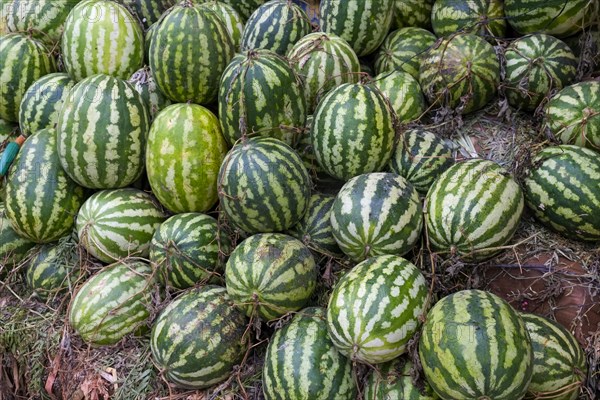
x=402, y=49
x=148, y=11
x=393, y=381
x=412, y=13
x=13, y=247
x=404, y=93
x=232, y=20
x=482, y=17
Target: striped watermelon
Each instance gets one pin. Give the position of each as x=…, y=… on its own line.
x=324, y=62
x=314, y=229
x=113, y=303
x=113, y=224
x=376, y=308
x=8, y=131
x=415, y=13
x=376, y=214
x=41, y=200
x=23, y=61
x=487, y=352
x=363, y=23
x=276, y=25
x=305, y=149
x=473, y=208
x=536, y=65
x=461, y=72
x=232, y=20
x=144, y=83
x=270, y=274
x=404, y=94
x=353, y=131
x=302, y=363
x=198, y=338
x=563, y=190
x=101, y=141
x=559, y=366
x=402, y=50
x=43, y=101
x=482, y=17
x=13, y=247
x=148, y=11
x=573, y=115
x=245, y=7
x=189, y=51
x=188, y=249
x=420, y=157
x=148, y=35
x=261, y=94
x=263, y=186
x=102, y=37
x=184, y=177
x=393, y=381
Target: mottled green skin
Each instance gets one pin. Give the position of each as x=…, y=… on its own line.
x=231, y=18
x=13, y=247
x=144, y=84
x=404, y=93
x=415, y=13
x=393, y=381
x=402, y=49
x=482, y=17
x=245, y=7
x=306, y=151
x=302, y=364
x=148, y=11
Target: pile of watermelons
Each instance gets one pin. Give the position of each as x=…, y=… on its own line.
x=192, y=172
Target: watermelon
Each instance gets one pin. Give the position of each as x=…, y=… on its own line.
x=314, y=229
x=113, y=224
x=261, y=94
x=376, y=308
x=404, y=93
x=363, y=23
x=102, y=37
x=324, y=62
x=393, y=381
x=8, y=130
x=487, y=352
x=148, y=38
x=263, y=186
x=412, y=13
x=420, y=157
x=188, y=249
x=102, y=130
x=461, y=72
x=562, y=189
x=13, y=248
x=184, y=152
x=189, y=51
x=472, y=209
x=402, y=50
x=302, y=363
x=353, y=131
x=559, y=366
x=376, y=214
x=148, y=11
x=41, y=200
x=198, y=338
x=305, y=149
x=144, y=84
x=573, y=115
x=43, y=101
x=482, y=17
x=245, y=7
x=113, y=303
x=276, y=25
x=232, y=20
x=537, y=65
x=23, y=61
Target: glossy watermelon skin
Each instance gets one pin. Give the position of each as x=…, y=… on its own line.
x=302, y=363
x=482, y=17
x=144, y=83
x=412, y=13
x=393, y=381
x=402, y=50
x=376, y=308
x=487, y=350
x=563, y=191
x=404, y=93
x=198, y=338
x=148, y=11
x=13, y=248
x=231, y=18
x=245, y=7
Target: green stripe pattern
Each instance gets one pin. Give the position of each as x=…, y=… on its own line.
x=189, y=51
x=482, y=17
x=415, y=13
x=114, y=224
x=144, y=83
x=188, y=249
x=198, y=338
x=102, y=130
x=41, y=200
x=302, y=363
x=276, y=25
x=376, y=308
x=404, y=94
x=148, y=11
x=402, y=50
x=376, y=214
x=563, y=190
x=420, y=157
x=102, y=37
x=558, y=360
x=536, y=65
x=393, y=381
x=22, y=62
x=573, y=115
x=13, y=247
x=43, y=101
x=245, y=7
x=232, y=20
x=263, y=186
x=270, y=274
x=353, y=131
x=305, y=149
x=474, y=345
x=183, y=156
x=473, y=207
x=113, y=303
x=362, y=23
x=324, y=62
x=260, y=94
